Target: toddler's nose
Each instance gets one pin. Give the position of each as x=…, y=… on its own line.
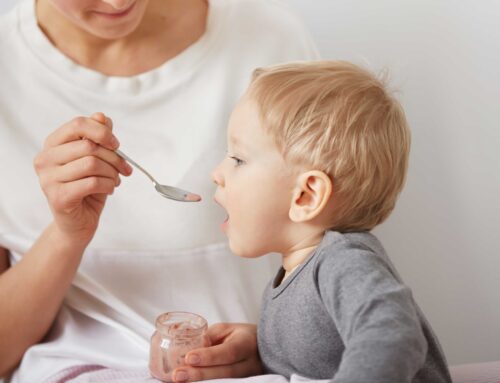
x=217, y=177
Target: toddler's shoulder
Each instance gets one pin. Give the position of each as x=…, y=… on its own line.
x=344, y=252
x=355, y=265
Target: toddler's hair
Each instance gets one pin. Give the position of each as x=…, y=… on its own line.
x=337, y=117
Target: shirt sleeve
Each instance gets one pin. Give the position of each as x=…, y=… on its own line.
x=375, y=315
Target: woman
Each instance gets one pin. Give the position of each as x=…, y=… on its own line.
x=167, y=72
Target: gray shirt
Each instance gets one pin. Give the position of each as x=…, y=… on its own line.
x=344, y=314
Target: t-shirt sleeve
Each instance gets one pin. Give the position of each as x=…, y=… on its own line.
x=374, y=314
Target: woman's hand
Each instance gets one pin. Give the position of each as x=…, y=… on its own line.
x=78, y=169
x=233, y=354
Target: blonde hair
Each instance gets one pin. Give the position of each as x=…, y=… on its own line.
x=337, y=117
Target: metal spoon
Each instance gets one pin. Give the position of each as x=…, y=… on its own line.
x=166, y=191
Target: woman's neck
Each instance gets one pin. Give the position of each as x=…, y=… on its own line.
x=167, y=28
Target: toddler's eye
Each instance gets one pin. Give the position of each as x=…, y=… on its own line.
x=237, y=160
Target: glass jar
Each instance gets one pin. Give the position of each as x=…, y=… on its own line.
x=176, y=334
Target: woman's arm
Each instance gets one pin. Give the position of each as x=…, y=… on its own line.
x=76, y=176
x=31, y=293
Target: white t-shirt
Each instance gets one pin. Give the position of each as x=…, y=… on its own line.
x=150, y=254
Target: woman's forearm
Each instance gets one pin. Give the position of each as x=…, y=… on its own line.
x=31, y=293
x=76, y=177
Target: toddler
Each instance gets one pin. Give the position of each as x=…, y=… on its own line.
x=317, y=155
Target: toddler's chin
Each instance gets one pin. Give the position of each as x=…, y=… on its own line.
x=241, y=251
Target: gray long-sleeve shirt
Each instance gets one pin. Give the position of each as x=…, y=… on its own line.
x=345, y=315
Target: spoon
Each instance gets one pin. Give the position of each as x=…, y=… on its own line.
x=170, y=192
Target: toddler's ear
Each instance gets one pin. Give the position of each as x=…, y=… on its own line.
x=310, y=196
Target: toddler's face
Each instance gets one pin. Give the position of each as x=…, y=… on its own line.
x=103, y=18
x=253, y=186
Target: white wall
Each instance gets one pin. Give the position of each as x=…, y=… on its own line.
x=444, y=56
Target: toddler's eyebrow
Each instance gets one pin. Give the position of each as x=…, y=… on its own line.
x=234, y=141
x=238, y=144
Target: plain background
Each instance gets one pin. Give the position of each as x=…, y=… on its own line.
x=443, y=57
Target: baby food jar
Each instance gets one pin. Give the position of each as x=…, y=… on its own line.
x=176, y=334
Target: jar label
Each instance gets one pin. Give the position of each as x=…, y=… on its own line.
x=165, y=343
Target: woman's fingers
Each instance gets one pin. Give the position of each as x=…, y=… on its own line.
x=69, y=196
x=85, y=167
x=71, y=151
x=91, y=185
x=77, y=169
x=67, y=157
x=84, y=127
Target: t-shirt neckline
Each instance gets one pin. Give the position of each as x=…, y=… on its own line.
x=172, y=72
x=328, y=238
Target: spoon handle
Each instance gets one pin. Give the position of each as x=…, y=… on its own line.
x=128, y=159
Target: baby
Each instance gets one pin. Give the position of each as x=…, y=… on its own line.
x=317, y=155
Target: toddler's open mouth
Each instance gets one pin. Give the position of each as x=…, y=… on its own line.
x=224, y=224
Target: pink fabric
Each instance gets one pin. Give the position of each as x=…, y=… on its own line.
x=100, y=374
x=464, y=373
x=476, y=373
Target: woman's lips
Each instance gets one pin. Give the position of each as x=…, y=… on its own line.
x=115, y=15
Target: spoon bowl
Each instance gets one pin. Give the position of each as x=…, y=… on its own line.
x=176, y=193
x=170, y=192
